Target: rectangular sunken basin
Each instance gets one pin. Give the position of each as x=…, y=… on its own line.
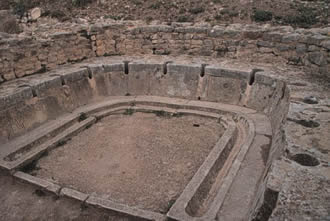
x=138, y=159
x=141, y=157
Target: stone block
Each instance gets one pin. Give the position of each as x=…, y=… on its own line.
x=72, y=75
x=134, y=213
x=261, y=91
x=73, y=194
x=12, y=96
x=317, y=58
x=326, y=45
x=224, y=85
x=140, y=77
x=291, y=38
x=182, y=80
x=191, y=29
x=41, y=183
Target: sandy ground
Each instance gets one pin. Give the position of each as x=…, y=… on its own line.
x=25, y=202
x=141, y=160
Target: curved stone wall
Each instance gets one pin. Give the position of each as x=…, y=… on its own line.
x=21, y=55
x=30, y=101
x=41, y=99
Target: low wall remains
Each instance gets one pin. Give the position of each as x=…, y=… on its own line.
x=45, y=49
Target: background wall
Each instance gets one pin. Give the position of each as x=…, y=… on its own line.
x=44, y=50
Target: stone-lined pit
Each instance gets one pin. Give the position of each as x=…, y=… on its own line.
x=185, y=157
x=140, y=159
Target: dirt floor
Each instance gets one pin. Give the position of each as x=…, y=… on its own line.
x=139, y=159
x=297, y=13
x=19, y=201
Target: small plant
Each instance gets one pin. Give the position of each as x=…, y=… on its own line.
x=129, y=112
x=29, y=168
x=114, y=17
x=40, y=193
x=155, y=5
x=20, y=7
x=177, y=115
x=80, y=3
x=218, y=17
x=182, y=11
x=149, y=19
x=160, y=113
x=61, y=143
x=305, y=18
x=170, y=204
x=136, y=2
x=197, y=10
x=82, y=116
x=184, y=18
x=261, y=15
x=233, y=13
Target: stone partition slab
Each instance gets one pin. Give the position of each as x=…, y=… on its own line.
x=182, y=80
x=115, y=78
x=144, y=79
x=260, y=91
x=98, y=80
x=226, y=86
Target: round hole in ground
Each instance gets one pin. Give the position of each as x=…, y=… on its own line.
x=305, y=159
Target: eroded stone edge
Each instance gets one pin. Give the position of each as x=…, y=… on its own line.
x=178, y=210
x=81, y=196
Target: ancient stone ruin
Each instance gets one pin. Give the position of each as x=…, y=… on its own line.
x=169, y=122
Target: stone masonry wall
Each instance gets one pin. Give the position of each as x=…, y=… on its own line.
x=22, y=56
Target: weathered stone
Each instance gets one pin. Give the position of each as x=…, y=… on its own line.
x=252, y=34
x=313, y=48
x=284, y=47
x=9, y=76
x=41, y=183
x=35, y=13
x=265, y=44
x=191, y=29
x=316, y=39
x=317, y=58
x=291, y=38
x=272, y=37
x=301, y=48
x=326, y=44
x=310, y=100
x=266, y=50
x=216, y=32
x=73, y=194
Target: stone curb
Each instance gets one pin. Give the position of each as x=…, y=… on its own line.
x=42, y=183
x=123, y=209
x=73, y=194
